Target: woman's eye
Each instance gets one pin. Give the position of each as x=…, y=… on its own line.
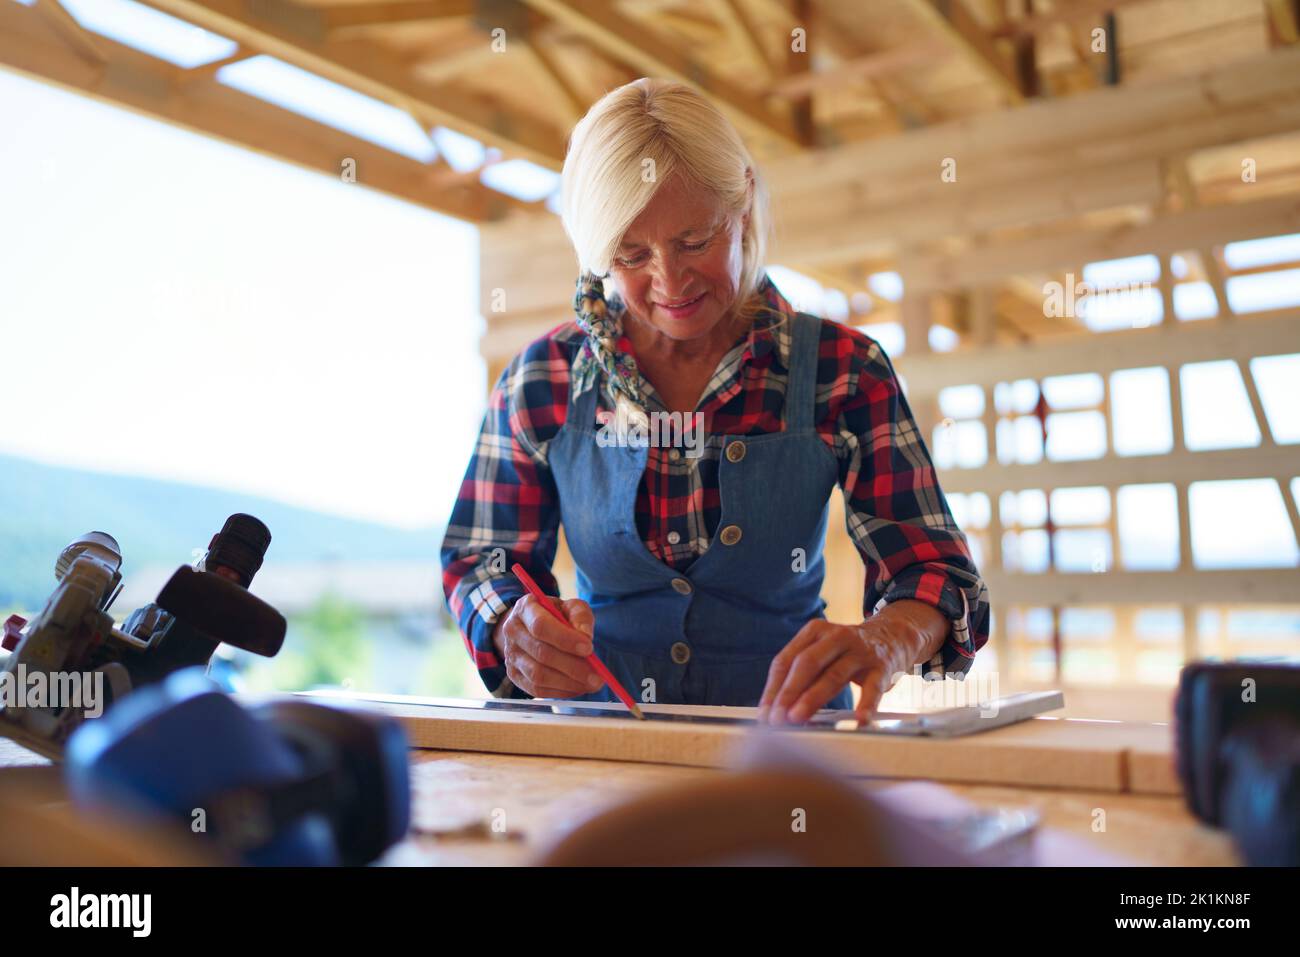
x=695, y=247
x=629, y=262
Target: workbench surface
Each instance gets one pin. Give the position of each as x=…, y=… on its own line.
x=457, y=792
x=543, y=797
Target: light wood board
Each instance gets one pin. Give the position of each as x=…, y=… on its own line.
x=1050, y=752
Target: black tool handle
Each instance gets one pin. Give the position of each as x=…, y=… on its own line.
x=223, y=610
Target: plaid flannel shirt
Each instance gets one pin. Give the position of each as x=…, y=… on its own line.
x=508, y=508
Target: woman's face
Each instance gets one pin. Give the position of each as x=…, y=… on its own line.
x=678, y=266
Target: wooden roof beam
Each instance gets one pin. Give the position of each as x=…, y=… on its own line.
x=297, y=35
x=1190, y=229
x=1068, y=12
x=628, y=41
x=155, y=88
x=85, y=43
x=953, y=20
x=857, y=70
x=1283, y=21
x=352, y=16
x=741, y=28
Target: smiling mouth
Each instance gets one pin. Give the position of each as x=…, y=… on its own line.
x=683, y=303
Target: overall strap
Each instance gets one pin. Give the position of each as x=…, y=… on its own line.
x=801, y=389
x=581, y=414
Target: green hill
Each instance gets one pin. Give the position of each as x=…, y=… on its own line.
x=43, y=507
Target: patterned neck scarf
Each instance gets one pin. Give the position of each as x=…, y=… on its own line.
x=601, y=321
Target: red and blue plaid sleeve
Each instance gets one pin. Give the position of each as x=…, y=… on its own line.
x=895, y=511
x=507, y=509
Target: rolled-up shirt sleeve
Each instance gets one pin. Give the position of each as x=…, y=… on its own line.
x=897, y=514
x=507, y=509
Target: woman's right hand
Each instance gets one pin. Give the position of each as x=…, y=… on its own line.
x=543, y=656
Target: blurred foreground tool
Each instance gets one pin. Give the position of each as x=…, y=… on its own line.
x=1237, y=748
x=782, y=806
x=778, y=816
x=71, y=662
x=286, y=783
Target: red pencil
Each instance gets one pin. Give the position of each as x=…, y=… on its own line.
x=595, y=662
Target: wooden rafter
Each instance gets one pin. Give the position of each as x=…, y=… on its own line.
x=741, y=27
x=1186, y=190
x=209, y=70
x=601, y=25
x=858, y=69
x=1192, y=228
x=352, y=16
x=1283, y=21
x=81, y=40
x=1065, y=11
x=155, y=88
x=297, y=35
x=952, y=20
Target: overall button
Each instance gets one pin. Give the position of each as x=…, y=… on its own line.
x=730, y=535
x=674, y=455
x=682, y=586
x=735, y=451
x=681, y=652
x=673, y=538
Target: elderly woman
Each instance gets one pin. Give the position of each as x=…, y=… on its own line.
x=698, y=546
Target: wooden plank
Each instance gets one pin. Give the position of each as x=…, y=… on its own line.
x=1209, y=108
x=1174, y=232
x=1151, y=768
x=1259, y=586
x=834, y=225
x=1218, y=465
x=1259, y=334
x=1041, y=752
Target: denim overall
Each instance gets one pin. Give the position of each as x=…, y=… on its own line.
x=706, y=635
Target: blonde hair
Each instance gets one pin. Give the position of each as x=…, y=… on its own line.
x=660, y=127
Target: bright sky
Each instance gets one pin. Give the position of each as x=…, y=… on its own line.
x=176, y=307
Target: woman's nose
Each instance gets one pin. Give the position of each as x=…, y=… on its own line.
x=666, y=277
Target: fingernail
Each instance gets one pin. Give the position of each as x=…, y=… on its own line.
x=584, y=650
x=594, y=681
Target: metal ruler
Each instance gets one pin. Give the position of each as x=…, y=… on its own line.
x=941, y=723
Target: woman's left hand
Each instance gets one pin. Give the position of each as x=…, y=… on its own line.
x=823, y=657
